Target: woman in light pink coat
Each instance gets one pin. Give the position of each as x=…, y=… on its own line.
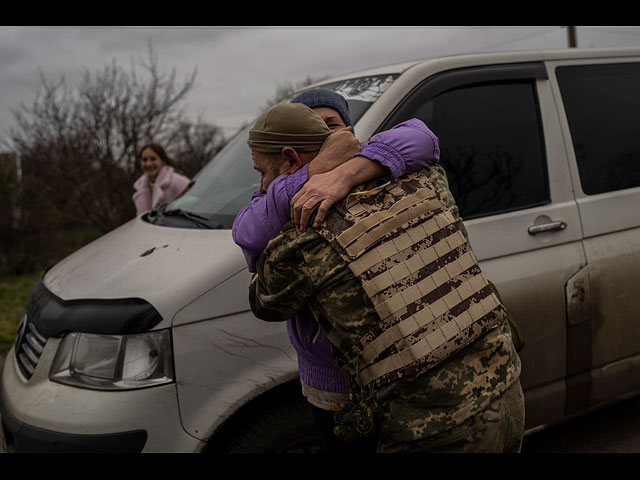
x=160, y=183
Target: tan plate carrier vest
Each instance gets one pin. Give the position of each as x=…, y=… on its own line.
x=413, y=261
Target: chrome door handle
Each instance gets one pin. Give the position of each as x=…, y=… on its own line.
x=547, y=227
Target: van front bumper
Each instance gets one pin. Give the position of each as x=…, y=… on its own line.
x=20, y=437
x=39, y=415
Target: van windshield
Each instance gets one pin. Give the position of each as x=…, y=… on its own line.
x=225, y=185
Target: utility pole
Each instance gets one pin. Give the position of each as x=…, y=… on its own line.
x=571, y=33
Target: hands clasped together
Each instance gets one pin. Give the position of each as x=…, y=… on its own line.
x=331, y=175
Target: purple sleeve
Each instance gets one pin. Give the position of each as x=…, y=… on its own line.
x=407, y=147
x=266, y=214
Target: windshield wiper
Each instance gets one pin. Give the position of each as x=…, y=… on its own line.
x=161, y=211
x=194, y=217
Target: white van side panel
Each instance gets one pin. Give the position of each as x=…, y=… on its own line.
x=606, y=348
x=614, y=263
x=227, y=298
x=258, y=353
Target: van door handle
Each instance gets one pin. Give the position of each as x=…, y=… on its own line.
x=547, y=227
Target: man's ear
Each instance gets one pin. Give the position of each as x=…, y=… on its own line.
x=290, y=161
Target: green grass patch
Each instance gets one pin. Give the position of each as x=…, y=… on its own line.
x=14, y=292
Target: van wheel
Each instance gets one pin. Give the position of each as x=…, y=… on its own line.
x=281, y=425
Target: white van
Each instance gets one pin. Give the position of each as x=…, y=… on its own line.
x=143, y=341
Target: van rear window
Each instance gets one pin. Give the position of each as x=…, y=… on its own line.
x=602, y=103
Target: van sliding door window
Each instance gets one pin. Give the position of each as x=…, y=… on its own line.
x=602, y=103
x=491, y=144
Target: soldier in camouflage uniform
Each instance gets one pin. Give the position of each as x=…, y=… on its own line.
x=468, y=399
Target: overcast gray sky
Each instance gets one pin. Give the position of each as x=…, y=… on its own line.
x=239, y=68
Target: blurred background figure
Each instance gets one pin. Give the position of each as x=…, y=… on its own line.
x=160, y=182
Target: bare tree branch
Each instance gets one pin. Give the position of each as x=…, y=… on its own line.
x=79, y=147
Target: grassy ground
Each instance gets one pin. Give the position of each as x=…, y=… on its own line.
x=13, y=297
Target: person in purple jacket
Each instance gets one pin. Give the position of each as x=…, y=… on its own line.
x=341, y=164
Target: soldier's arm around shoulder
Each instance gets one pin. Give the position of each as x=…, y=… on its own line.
x=258, y=309
x=281, y=286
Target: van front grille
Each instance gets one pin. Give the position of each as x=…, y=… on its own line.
x=29, y=346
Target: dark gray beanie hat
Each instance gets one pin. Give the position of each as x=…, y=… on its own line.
x=319, y=97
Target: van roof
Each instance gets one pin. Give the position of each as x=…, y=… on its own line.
x=492, y=58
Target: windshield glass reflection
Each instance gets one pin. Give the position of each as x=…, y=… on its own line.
x=226, y=184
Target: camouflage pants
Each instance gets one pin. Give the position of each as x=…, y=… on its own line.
x=497, y=429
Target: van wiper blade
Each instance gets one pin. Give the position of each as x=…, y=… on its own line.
x=160, y=211
x=194, y=217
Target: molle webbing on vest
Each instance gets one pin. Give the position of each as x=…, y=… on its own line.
x=406, y=248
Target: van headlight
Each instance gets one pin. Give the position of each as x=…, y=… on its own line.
x=114, y=362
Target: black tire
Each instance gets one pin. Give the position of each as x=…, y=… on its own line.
x=280, y=424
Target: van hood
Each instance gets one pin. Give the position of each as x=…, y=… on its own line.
x=165, y=266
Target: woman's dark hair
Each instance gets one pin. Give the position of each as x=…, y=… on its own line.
x=158, y=151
